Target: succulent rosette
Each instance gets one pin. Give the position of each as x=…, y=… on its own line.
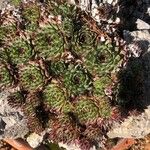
x=87, y=110
x=32, y=112
x=7, y=33
x=3, y=55
x=58, y=68
x=83, y=41
x=100, y=85
x=77, y=80
x=48, y=42
x=31, y=77
x=2, y=34
x=20, y=51
x=63, y=132
x=102, y=60
x=16, y=3
x=54, y=97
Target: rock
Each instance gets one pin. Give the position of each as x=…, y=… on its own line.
x=34, y=140
x=138, y=41
x=141, y=25
x=12, y=121
x=132, y=127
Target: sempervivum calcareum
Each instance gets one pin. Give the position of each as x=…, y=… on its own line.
x=63, y=71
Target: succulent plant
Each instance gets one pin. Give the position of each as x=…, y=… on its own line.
x=63, y=132
x=15, y=2
x=87, y=110
x=6, y=79
x=20, y=51
x=100, y=84
x=61, y=69
x=83, y=41
x=77, y=80
x=102, y=60
x=31, y=111
x=55, y=97
x=3, y=55
x=31, y=77
x=58, y=68
x=16, y=99
x=7, y=33
x=49, y=42
x=31, y=15
x=2, y=34
x=105, y=108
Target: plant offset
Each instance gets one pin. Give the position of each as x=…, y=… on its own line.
x=62, y=70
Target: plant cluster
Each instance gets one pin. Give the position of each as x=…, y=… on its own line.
x=62, y=70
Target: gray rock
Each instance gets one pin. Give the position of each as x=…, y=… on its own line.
x=132, y=127
x=138, y=41
x=34, y=140
x=141, y=25
x=12, y=121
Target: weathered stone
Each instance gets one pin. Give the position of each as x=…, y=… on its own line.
x=132, y=127
x=34, y=140
x=12, y=121
x=141, y=25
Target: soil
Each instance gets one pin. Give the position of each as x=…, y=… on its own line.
x=5, y=146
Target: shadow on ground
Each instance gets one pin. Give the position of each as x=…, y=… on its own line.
x=130, y=11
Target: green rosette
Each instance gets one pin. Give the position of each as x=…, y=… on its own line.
x=102, y=60
x=31, y=77
x=77, y=80
x=49, y=42
x=20, y=52
x=58, y=68
x=54, y=98
x=100, y=84
x=86, y=110
x=83, y=41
